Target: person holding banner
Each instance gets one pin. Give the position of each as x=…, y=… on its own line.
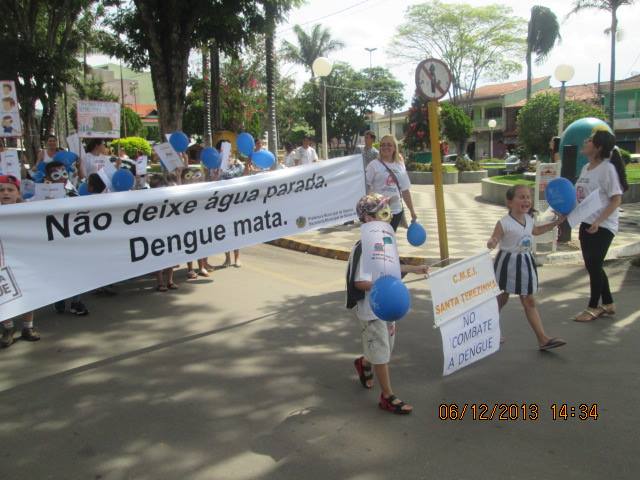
x=378, y=337
x=605, y=172
x=10, y=194
x=514, y=265
x=387, y=176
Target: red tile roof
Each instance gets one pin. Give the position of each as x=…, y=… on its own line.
x=144, y=109
x=500, y=89
x=581, y=93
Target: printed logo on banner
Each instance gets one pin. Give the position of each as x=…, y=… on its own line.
x=9, y=289
x=301, y=222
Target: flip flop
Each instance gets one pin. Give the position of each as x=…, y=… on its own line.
x=552, y=343
x=364, y=374
x=161, y=288
x=172, y=286
x=588, y=315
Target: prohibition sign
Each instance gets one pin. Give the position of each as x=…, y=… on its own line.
x=433, y=79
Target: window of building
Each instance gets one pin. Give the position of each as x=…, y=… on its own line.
x=493, y=112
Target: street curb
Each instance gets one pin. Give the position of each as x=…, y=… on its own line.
x=342, y=253
x=628, y=250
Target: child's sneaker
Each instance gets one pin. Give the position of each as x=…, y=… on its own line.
x=78, y=308
x=59, y=306
x=30, y=334
x=7, y=337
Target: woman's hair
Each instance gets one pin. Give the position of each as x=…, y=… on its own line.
x=93, y=143
x=555, y=145
x=511, y=194
x=391, y=138
x=95, y=183
x=605, y=142
x=158, y=180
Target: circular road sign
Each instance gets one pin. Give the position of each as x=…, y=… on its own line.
x=433, y=79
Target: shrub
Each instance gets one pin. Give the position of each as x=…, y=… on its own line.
x=626, y=155
x=131, y=145
x=466, y=165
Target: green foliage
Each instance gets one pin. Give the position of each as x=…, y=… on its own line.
x=428, y=167
x=455, y=124
x=475, y=42
x=538, y=120
x=514, y=179
x=132, y=145
x=626, y=155
x=542, y=34
x=132, y=121
x=317, y=43
x=466, y=165
x=633, y=173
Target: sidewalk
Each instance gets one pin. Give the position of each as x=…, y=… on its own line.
x=470, y=222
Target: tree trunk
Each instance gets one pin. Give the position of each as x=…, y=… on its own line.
x=612, y=79
x=216, y=116
x=271, y=78
x=31, y=133
x=206, y=96
x=529, y=75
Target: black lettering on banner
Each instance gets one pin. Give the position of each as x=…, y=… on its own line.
x=82, y=224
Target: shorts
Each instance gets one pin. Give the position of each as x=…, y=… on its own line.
x=378, y=338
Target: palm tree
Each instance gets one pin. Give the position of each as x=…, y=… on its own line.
x=610, y=6
x=542, y=35
x=310, y=46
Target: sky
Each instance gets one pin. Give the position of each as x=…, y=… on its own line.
x=364, y=24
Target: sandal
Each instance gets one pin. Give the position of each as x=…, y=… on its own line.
x=203, y=273
x=588, y=315
x=161, y=288
x=608, y=309
x=364, y=372
x=552, y=343
x=394, y=405
x=172, y=286
x=192, y=275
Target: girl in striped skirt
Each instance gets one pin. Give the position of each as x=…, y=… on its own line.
x=514, y=265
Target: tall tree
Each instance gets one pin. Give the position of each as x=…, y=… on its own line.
x=310, y=46
x=39, y=39
x=475, y=42
x=542, y=34
x=610, y=6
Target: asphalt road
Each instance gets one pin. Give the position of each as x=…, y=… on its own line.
x=250, y=377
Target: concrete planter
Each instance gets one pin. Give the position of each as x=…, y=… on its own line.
x=495, y=192
x=494, y=172
x=472, y=177
x=426, y=178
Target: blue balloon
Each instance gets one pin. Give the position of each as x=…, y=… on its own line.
x=245, y=144
x=416, y=234
x=123, y=180
x=179, y=141
x=263, y=159
x=65, y=157
x=38, y=175
x=210, y=157
x=561, y=195
x=41, y=167
x=389, y=298
x=27, y=195
x=83, y=189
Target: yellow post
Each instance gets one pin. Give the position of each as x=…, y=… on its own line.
x=436, y=162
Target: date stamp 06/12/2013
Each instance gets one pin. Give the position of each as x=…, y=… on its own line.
x=528, y=412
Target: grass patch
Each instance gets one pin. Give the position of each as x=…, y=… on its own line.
x=633, y=173
x=516, y=179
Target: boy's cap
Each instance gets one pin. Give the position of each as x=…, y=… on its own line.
x=10, y=179
x=370, y=204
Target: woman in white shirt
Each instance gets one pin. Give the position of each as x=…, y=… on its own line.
x=96, y=156
x=605, y=172
x=388, y=177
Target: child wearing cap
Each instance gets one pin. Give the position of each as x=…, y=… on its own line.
x=10, y=194
x=378, y=337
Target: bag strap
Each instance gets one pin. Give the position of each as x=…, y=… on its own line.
x=393, y=175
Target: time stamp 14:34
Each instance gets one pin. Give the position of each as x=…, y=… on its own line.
x=517, y=411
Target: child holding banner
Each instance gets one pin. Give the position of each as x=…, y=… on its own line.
x=10, y=194
x=378, y=337
x=514, y=265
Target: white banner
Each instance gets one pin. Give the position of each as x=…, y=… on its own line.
x=59, y=248
x=471, y=336
x=379, y=250
x=168, y=156
x=462, y=286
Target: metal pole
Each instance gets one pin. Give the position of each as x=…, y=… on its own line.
x=561, y=113
x=325, y=145
x=436, y=162
x=491, y=145
x=124, y=117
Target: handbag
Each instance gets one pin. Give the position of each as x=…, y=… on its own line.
x=403, y=219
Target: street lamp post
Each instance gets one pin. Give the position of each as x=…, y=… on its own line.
x=370, y=50
x=321, y=68
x=491, y=124
x=563, y=74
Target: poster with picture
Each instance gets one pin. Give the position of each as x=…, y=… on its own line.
x=98, y=119
x=10, y=125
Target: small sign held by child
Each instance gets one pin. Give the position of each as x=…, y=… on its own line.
x=10, y=163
